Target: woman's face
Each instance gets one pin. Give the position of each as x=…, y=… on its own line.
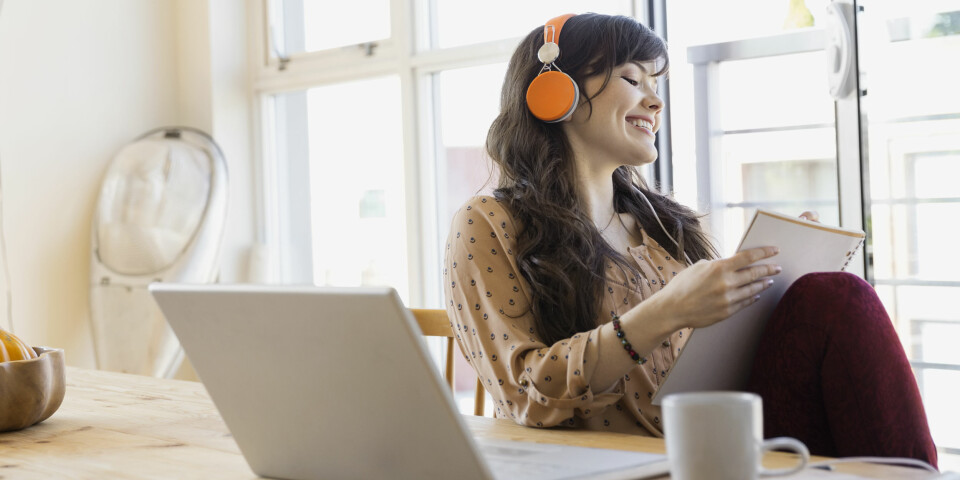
x=625, y=118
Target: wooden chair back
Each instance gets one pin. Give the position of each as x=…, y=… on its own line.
x=435, y=323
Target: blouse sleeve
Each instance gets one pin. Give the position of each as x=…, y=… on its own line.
x=489, y=306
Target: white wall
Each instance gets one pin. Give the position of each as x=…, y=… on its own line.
x=78, y=80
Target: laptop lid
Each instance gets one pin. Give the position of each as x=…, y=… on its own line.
x=313, y=382
x=337, y=383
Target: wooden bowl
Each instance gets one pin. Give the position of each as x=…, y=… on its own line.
x=31, y=390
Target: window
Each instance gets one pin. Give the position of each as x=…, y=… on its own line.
x=703, y=22
x=468, y=101
x=457, y=21
x=356, y=184
x=768, y=135
x=913, y=152
x=373, y=117
x=344, y=206
x=764, y=131
x=303, y=26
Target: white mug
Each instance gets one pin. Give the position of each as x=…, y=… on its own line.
x=719, y=435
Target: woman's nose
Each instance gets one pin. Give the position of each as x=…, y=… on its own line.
x=653, y=102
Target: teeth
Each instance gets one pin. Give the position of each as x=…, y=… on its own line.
x=642, y=123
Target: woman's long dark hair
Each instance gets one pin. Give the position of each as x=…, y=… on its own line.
x=561, y=253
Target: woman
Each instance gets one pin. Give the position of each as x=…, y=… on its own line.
x=571, y=300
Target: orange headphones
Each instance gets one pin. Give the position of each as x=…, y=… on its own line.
x=553, y=95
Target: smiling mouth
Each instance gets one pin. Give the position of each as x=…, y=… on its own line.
x=641, y=124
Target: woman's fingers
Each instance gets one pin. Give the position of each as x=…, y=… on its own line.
x=751, y=255
x=750, y=300
x=812, y=216
x=750, y=290
x=753, y=273
x=747, y=282
x=710, y=291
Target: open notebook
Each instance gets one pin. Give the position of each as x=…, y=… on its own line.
x=719, y=357
x=338, y=383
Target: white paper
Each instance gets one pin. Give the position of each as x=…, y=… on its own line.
x=815, y=473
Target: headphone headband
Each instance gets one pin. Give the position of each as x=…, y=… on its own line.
x=551, y=29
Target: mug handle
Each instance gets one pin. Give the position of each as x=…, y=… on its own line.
x=786, y=443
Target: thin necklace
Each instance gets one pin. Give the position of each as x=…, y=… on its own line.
x=614, y=214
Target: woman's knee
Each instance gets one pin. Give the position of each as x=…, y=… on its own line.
x=831, y=290
x=831, y=297
x=829, y=284
x=839, y=302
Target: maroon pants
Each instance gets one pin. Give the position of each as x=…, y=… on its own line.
x=832, y=373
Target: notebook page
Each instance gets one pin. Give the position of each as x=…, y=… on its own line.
x=805, y=246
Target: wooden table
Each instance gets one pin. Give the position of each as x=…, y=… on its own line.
x=114, y=425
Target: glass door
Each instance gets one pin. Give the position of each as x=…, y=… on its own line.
x=911, y=119
x=762, y=112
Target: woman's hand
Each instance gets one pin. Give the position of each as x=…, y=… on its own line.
x=812, y=216
x=712, y=290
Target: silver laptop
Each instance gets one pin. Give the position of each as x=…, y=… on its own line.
x=338, y=383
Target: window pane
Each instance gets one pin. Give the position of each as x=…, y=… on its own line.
x=935, y=236
x=463, y=23
x=935, y=175
x=754, y=96
x=925, y=32
x=916, y=312
x=708, y=21
x=469, y=101
x=789, y=165
x=356, y=184
x=311, y=25
x=940, y=398
x=793, y=187
x=934, y=340
x=759, y=173
x=913, y=136
x=914, y=198
x=768, y=123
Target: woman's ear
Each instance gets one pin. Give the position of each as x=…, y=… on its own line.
x=583, y=105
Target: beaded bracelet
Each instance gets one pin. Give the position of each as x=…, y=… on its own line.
x=626, y=345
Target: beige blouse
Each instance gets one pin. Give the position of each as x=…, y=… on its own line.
x=533, y=383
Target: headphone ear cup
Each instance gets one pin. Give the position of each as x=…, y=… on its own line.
x=552, y=96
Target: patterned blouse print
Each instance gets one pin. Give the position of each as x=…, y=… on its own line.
x=533, y=383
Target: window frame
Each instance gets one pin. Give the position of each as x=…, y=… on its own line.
x=407, y=54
